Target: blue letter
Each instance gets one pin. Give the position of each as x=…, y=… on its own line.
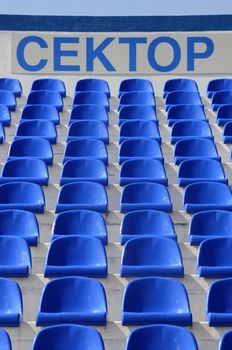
x=132, y=50
x=58, y=53
x=92, y=53
x=176, y=54
x=192, y=55
x=21, y=53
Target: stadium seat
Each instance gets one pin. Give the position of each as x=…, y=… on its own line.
x=78, y=170
x=135, y=84
x=185, y=113
x=25, y=169
x=219, y=303
x=88, y=149
x=37, y=128
x=226, y=341
x=140, y=148
x=162, y=337
x=70, y=336
x=140, y=170
x=93, y=84
x=200, y=170
x=216, y=85
x=182, y=97
x=31, y=148
x=89, y=112
x=152, y=300
x=88, y=129
x=41, y=112
x=46, y=97
x=92, y=98
x=210, y=224
x=134, y=129
x=151, y=256
x=11, y=84
x=190, y=130
x=227, y=133
x=145, y=195
x=180, y=84
x=78, y=300
x=80, y=222
x=221, y=98
x=11, y=305
x=195, y=149
x=202, y=196
x=49, y=84
x=136, y=98
x=5, y=341
x=146, y=223
x=8, y=99
x=76, y=256
x=215, y=257
x=19, y=223
x=139, y=112
x=22, y=195
x=224, y=114
x=2, y=133
x=15, y=257
x=82, y=195
x=5, y=116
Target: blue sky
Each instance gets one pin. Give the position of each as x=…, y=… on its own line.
x=117, y=7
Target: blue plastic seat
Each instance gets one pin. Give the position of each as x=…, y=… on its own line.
x=92, y=98
x=78, y=300
x=46, y=97
x=218, y=85
x=82, y=195
x=22, y=195
x=49, y=84
x=5, y=116
x=215, y=257
x=44, y=112
x=200, y=170
x=5, y=341
x=87, y=129
x=202, y=196
x=25, y=169
x=76, y=255
x=195, y=149
x=142, y=170
x=93, y=84
x=152, y=300
x=70, y=336
x=182, y=97
x=151, y=256
x=219, y=303
x=139, y=112
x=37, y=128
x=15, y=257
x=180, y=84
x=190, y=129
x=185, y=113
x=137, y=98
x=80, y=222
x=221, y=98
x=140, y=148
x=135, y=84
x=162, y=337
x=134, y=129
x=146, y=223
x=226, y=341
x=78, y=170
x=145, y=195
x=227, y=133
x=31, y=148
x=2, y=133
x=88, y=149
x=8, y=99
x=224, y=114
x=210, y=224
x=11, y=305
x=19, y=223
x=89, y=112
x=11, y=84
